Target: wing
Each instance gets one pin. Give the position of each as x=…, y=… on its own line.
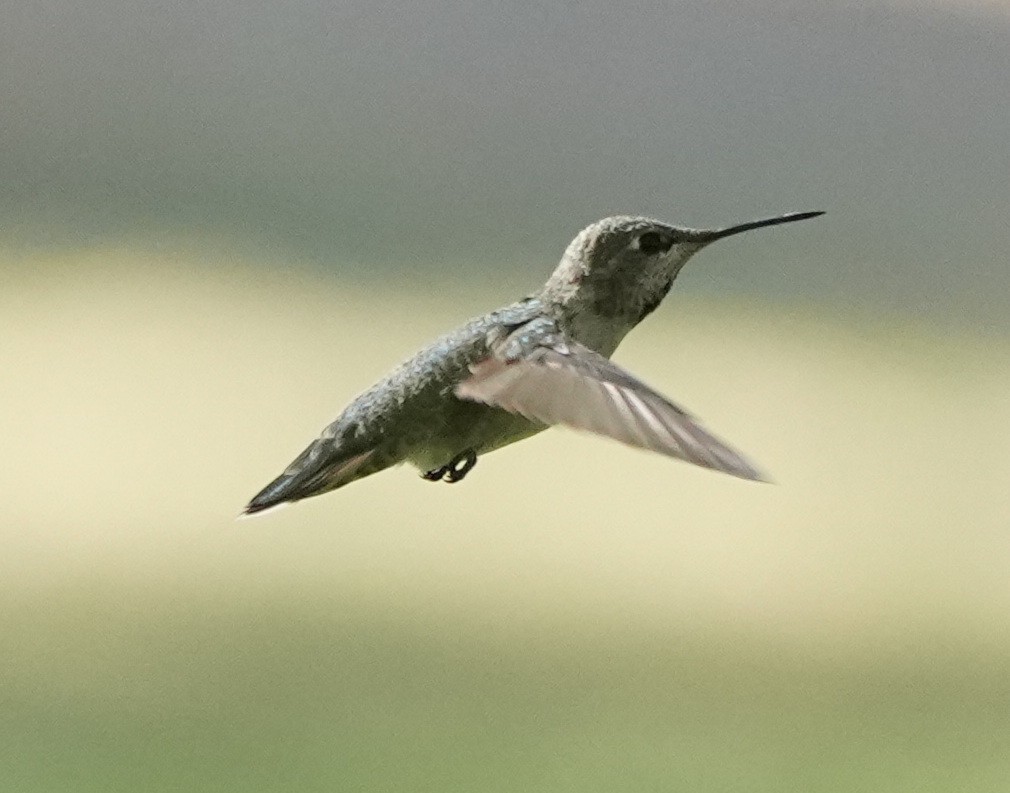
x=547, y=378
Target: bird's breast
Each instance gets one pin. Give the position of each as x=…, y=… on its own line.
x=600, y=333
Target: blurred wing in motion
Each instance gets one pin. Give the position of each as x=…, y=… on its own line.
x=557, y=381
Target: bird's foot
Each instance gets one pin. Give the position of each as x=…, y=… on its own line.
x=453, y=471
x=460, y=466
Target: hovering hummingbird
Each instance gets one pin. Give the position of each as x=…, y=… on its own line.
x=511, y=373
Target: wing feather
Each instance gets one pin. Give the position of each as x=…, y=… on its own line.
x=567, y=383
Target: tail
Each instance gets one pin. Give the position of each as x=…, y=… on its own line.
x=317, y=470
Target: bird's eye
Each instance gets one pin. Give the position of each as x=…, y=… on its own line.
x=652, y=242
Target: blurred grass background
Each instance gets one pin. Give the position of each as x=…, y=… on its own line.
x=576, y=616
x=220, y=221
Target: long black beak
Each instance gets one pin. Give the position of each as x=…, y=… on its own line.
x=707, y=236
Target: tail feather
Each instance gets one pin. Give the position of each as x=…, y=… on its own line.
x=319, y=469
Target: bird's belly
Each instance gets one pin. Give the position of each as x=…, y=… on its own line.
x=478, y=427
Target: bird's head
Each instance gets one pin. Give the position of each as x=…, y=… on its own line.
x=623, y=266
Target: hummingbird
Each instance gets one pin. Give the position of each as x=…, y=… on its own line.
x=513, y=372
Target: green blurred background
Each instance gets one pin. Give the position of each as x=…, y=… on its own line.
x=218, y=223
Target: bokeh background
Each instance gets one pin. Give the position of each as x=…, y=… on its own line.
x=218, y=222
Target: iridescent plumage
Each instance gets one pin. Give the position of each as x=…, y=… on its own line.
x=509, y=374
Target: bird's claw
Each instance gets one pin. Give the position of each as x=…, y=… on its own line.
x=453, y=471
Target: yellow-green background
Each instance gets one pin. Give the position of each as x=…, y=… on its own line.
x=575, y=616
x=221, y=221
